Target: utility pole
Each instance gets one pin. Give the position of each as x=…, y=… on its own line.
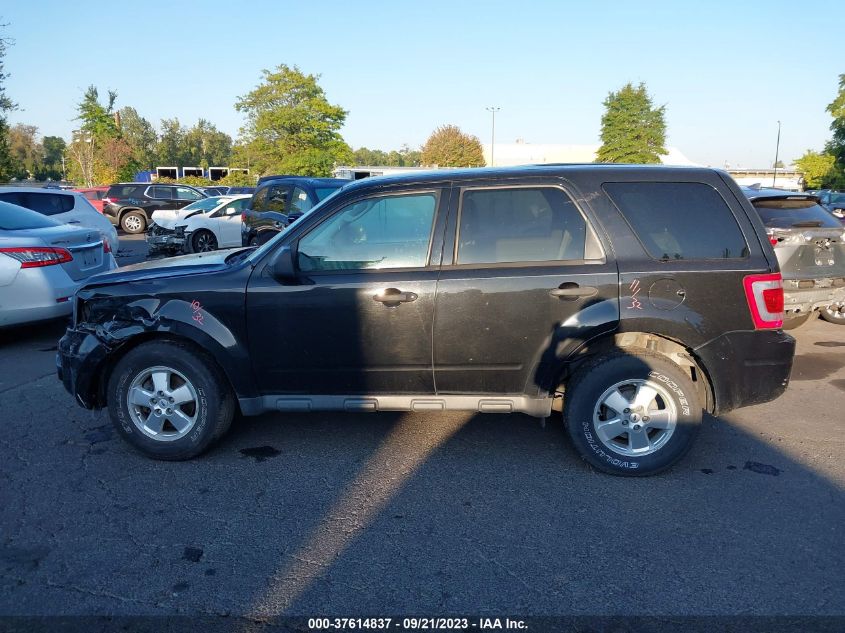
x=63, y=169
x=777, y=150
x=493, y=110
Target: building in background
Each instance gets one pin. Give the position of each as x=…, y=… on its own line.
x=790, y=179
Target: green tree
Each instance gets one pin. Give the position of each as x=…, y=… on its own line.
x=632, y=129
x=170, y=149
x=237, y=179
x=141, y=137
x=817, y=168
x=449, y=147
x=26, y=152
x=836, y=109
x=206, y=146
x=97, y=119
x=54, y=149
x=6, y=106
x=290, y=125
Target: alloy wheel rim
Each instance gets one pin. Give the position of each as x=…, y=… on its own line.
x=204, y=243
x=635, y=418
x=133, y=223
x=162, y=403
x=837, y=310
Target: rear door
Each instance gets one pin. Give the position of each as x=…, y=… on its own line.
x=525, y=278
x=227, y=223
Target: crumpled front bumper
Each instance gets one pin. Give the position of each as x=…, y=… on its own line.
x=159, y=239
x=79, y=360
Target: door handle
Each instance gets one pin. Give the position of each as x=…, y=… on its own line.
x=570, y=290
x=392, y=297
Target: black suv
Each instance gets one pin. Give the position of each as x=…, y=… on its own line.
x=280, y=200
x=130, y=205
x=631, y=298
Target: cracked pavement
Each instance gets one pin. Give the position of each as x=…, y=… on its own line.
x=434, y=514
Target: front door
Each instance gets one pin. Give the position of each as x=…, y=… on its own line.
x=525, y=280
x=358, y=320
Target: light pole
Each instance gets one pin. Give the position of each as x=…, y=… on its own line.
x=777, y=150
x=493, y=110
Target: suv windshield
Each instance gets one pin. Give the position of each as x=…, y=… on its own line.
x=15, y=218
x=794, y=212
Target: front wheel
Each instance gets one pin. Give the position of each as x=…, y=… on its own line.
x=834, y=313
x=203, y=241
x=169, y=401
x=631, y=414
x=133, y=222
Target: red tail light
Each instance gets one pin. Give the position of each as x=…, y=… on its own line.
x=772, y=238
x=764, y=294
x=106, y=246
x=38, y=256
x=243, y=216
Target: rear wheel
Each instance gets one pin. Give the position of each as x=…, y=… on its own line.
x=631, y=414
x=834, y=313
x=133, y=222
x=169, y=401
x=203, y=241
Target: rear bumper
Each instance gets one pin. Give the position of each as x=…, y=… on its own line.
x=37, y=294
x=78, y=360
x=802, y=300
x=747, y=368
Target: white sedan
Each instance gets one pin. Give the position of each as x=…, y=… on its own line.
x=204, y=225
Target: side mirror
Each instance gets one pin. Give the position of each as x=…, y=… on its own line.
x=281, y=266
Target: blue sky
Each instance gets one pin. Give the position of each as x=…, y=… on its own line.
x=726, y=71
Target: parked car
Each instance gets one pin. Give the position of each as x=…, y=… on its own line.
x=63, y=206
x=239, y=190
x=278, y=202
x=810, y=246
x=95, y=196
x=202, y=226
x=632, y=298
x=833, y=201
x=42, y=264
x=131, y=204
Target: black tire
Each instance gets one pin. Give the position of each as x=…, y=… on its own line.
x=213, y=410
x=795, y=322
x=133, y=222
x=834, y=314
x=582, y=408
x=203, y=241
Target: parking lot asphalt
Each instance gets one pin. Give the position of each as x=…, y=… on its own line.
x=430, y=514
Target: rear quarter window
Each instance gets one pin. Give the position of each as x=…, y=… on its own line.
x=43, y=203
x=679, y=221
x=118, y=192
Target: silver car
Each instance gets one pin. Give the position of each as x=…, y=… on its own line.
x=42, y=263
x=67, y=207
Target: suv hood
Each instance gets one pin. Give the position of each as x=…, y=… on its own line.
x=198, y=263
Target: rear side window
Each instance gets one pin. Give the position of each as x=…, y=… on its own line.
x=118, y=192
x=679, y=220
x=43, y=203
x=788, y=213
x=259, y=200
x=522, y=225
x=159, y=193
x=277, y=198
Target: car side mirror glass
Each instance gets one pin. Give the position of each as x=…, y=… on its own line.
x=282, y=267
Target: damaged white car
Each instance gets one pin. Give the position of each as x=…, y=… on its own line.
x=202, y=226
